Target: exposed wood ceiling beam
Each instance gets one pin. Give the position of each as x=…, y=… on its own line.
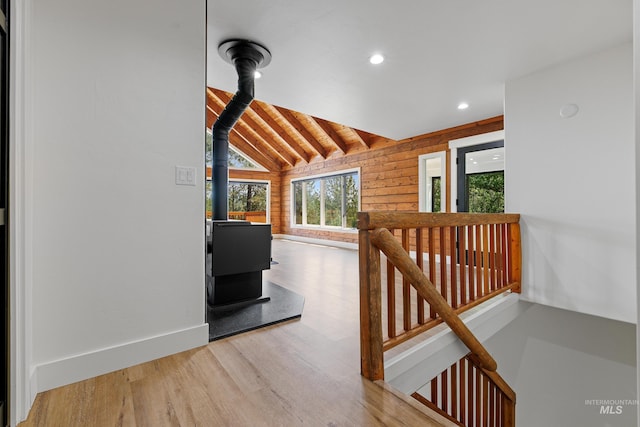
x=325, y=128
x=278, y=138
x=296, y=119
x=248, y=132
x=238, y=141
x=274, y=119
x=355, y=136
x=252, y=121
x=367, y=138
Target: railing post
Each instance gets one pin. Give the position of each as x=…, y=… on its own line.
x=515, y=249
x=508, y=412
x=371, y=353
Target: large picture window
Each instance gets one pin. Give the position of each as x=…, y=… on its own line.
x=331, y=201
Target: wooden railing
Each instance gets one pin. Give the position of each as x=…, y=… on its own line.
x=470, y=396
x=253, y=216
x=459, y=261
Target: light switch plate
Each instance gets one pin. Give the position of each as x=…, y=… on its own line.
x=185, y=175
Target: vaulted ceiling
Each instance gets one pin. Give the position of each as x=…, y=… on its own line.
x=278, y=138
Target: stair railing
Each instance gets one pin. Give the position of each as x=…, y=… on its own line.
x=469, y=258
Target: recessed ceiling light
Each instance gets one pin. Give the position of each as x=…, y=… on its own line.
x=463, y=106
x=376, y=59
x=257, y=74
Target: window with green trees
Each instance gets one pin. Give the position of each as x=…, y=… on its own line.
x=486, y=192
x=329, y=201
x=436, y=182
x=247, y=200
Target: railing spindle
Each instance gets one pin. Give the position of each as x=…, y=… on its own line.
x=420, y=263
x=492, y=257
x=462, y=247
x=454, y=390
x=478, y=260
x=452, y=257
x=432, y=265
x=434, y=390
x=443, y=264
x=444, y=390
x=406, y=287
x=471, y=395
x=478, y=402
x=469, y=257
x=485, y=258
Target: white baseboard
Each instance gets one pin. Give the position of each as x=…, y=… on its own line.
x=88, y=365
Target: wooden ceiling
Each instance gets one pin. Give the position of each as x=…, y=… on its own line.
x=280, y=139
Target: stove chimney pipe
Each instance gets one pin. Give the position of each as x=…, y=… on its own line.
x=247, y=57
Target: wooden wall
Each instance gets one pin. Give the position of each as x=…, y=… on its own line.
x=389, y=176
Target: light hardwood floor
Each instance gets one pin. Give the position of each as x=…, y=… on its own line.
x=302, y=372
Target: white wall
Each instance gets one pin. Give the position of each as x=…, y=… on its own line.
x=573, y=181
x=117, y=101
x=557, y=360
x=636, y=81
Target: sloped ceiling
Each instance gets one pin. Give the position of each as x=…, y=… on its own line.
x=279, y=138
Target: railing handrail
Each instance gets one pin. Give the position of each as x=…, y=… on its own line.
x=394, y=251
x=405, y=220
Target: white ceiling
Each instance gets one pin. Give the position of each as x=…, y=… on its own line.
x=438, y=53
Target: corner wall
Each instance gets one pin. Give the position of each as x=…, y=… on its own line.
x=573, y=181
x=117, y=248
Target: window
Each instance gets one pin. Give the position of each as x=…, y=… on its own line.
x=331, y=201
x=248, y=200
x=485, y=192
x=237, y=159
x=481, y=178
x=432, y=182
x=435, y=193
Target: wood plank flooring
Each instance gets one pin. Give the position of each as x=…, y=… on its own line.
x=302, y=372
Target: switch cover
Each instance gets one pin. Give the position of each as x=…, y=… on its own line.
x=185, y=175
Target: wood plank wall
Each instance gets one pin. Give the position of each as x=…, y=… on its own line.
x=389, y=176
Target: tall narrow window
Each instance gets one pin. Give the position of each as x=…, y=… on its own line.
x=432, y=182
x=328, y=201
x=435, y=193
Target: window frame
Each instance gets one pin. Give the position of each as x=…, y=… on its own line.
x=256, y=181
x=321, y=177
x=425, y=192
